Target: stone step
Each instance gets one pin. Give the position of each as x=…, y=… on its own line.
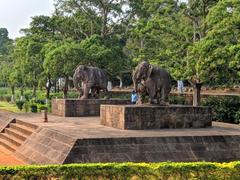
x=11, y=147
x=15, y=133
x=21, y=128
x=10, y=139
x=5, y=150
x=29, y=125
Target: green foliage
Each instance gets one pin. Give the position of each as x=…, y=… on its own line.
x=138, y=171
x=224, y=108
x=237, y=117
x=215, y=58
x=177, y=100
x=105, y=53
x=42, y=107
x=26, y=106
x=63, y=59
x=20, y=104
x=34, y=108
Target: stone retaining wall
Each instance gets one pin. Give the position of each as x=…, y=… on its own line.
x=156, y=149
x=155, y=117
x=78, y=107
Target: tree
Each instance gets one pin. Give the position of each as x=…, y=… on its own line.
x=62, y=60
x=106, y=13
x=215, y=58
x=5, y=42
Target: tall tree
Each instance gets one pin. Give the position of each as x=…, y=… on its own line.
x=215, y=58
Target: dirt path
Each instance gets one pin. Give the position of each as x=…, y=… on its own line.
x=6, y=159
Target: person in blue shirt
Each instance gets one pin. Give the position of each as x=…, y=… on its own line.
x=134, y=97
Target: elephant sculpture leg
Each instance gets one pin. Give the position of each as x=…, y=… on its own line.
x=142, y=92
x=163, y=97
x=95, y=93
x=86, y=89
x=152, y=93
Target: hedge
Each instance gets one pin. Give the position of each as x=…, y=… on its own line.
x=124, y=171
x=225, y=108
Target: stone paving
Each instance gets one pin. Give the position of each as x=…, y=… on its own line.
x=90, y=127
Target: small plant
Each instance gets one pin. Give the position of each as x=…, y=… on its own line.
x=26, y=106
x=34, y=108
x=237, y=117
x=20, y=104
x=177, y=100
x=42, y=107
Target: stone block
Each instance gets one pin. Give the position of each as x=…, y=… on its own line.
x=155, y=117
x=81, y=108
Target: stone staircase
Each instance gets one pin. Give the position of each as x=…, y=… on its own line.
x=15, y=134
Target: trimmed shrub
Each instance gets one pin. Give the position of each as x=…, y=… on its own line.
x=34, y=108
x=224, y=108
x=122, y=171
x=20, y=104
x=42, y=107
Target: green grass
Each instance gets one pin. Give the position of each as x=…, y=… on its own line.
x=8, y=106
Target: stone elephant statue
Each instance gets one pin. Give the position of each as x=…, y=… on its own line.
x=91, y=78
x=155, y=81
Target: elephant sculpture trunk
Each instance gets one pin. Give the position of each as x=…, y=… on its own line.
x=76, y=83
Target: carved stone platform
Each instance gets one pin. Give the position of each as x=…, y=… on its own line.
x=80, y=108
x=137, y=117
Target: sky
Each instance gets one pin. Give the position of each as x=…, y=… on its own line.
x=16, y=14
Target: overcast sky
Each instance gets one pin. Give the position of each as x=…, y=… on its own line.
x=16, y=14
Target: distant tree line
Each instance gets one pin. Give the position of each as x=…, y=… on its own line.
x=195, y=40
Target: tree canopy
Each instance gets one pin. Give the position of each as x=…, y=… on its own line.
x=194, y=39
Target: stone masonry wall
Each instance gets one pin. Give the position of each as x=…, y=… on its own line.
x=78, y=108
x=156, y=149
x=45, y=146
x=155, y=117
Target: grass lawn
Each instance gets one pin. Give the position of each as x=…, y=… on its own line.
x=8, y=106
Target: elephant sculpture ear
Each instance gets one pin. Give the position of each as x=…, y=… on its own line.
x=150, y=69
x=84, y=67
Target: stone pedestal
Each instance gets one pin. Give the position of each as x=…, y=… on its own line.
x=80, y=108
x=155, y=117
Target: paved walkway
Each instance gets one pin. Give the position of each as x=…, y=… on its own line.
x=90, y=127
x=6, y=159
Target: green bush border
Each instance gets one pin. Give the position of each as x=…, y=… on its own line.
x=124, y=171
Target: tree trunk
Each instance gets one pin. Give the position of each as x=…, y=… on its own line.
x=104, y=22
x=35, y=83
x=48, y=87
x=21, y=93
x=120, y=83
x=197, y=94
x=65, y=89
x=13, y=93
x=55, y=86
x=34, y=90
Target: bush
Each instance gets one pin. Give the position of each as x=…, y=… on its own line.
x=42, y=107
x=225, y=108
x=34, y=108
x=137, y=171
x=177, y=100
x=26, y=106
x=237, y=117
x=20, y=104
